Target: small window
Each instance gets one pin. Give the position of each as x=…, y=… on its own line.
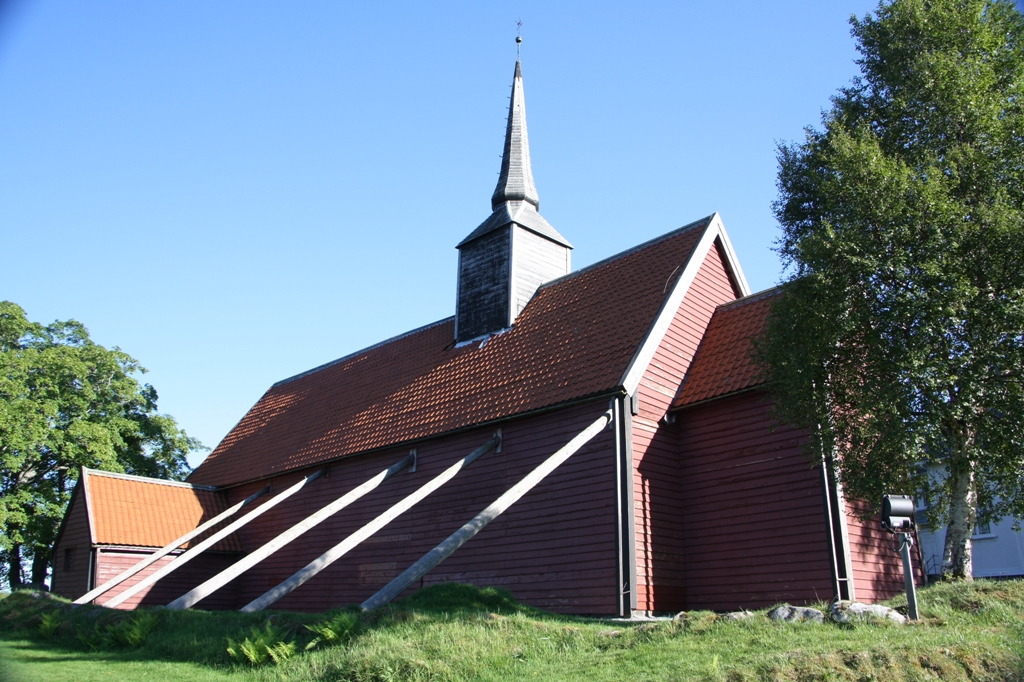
x=982, y=528
x=69, y=559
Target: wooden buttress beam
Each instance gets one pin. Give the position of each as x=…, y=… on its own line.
x=353, y=540
x=212, y=540
x=474, y=526
x=164, y=551
x=248, y=561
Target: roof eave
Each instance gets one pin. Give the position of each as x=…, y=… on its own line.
x=593, y=397
x=697, y=403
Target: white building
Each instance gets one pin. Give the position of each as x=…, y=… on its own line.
x=998, y=550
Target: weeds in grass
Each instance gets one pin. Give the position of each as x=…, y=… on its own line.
x=133, y=632
x=337, y=630
x=50, y=623
x=263, y=645
x=92, y=637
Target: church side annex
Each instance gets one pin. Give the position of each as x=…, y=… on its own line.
x=683, y=493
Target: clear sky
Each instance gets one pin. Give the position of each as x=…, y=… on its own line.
x=235, y=192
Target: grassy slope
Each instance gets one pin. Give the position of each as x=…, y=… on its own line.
x=452, y=632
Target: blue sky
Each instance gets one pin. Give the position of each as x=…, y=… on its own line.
x=237, y=192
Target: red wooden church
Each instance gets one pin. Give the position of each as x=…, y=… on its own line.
x=596, y=441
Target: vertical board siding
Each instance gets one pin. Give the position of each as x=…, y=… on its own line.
x=75, y=536
x=536, y=260
x=659, y=515
x=483, y=294
x=111, y=562
x=877, y=566
x=756, y=532
x=554, y=549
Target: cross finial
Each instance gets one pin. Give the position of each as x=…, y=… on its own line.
x=519, y=36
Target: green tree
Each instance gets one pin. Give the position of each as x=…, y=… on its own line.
x=66, y=402
x=899, y=342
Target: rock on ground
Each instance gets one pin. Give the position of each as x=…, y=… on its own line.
x=737, y=615
x=796, y=614
x=852, y=611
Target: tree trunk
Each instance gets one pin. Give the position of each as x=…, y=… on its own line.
x=40, y=566
x=963, y=509
x=14, y=567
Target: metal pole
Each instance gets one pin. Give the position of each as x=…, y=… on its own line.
x=477, y=523
x=354, y=540
x=906, y=541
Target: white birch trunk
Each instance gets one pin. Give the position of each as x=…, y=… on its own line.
x=963, y=506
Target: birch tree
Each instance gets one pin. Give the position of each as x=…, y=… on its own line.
x=899, y=342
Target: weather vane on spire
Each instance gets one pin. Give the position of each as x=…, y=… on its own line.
x=519, y=36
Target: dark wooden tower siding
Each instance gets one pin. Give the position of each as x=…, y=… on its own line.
x=483, y=290
x=536, y=260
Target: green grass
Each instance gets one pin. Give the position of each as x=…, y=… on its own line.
x=31, y=661
x=969, y=631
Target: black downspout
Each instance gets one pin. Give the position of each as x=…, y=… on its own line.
x=625, y=505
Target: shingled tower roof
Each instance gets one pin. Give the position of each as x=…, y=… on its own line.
x=515, y=198
x=516, y=181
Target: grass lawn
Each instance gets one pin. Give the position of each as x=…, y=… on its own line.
x=24, y=660
x=969, y=631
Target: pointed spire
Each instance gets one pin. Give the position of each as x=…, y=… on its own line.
x=516, y=181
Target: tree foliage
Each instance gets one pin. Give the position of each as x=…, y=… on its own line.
x=899, y=342
x=65, y=403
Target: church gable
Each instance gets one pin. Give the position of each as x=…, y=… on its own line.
x=660, y=559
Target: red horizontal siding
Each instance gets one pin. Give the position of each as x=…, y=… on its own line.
x=555, y=548
x=112, y=562
x=877, y=566
x=756, y=527
x=659, y=515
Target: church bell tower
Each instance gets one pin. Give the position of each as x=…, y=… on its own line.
x=510, y=255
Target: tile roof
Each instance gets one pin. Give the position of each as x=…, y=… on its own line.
x=723, y=363
x=575, y=339
x=144, y=512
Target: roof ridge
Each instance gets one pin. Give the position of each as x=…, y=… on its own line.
x=146, y=479
x=751, y=298
x=361, y=351
x=706, y=220
x=651, y=242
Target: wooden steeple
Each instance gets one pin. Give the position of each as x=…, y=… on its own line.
x=508, y=256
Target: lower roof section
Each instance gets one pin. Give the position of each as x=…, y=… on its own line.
x=724, y=363
x=132, y=511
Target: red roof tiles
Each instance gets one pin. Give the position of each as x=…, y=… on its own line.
x=137, y=512
x=724, y=363
x=575, y=339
